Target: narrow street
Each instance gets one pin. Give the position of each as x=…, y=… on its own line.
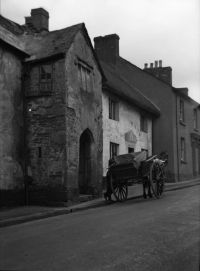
x=137, y=235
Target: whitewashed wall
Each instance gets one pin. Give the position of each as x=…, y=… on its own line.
x=114, y=131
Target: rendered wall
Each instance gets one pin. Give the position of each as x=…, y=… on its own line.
x=185, y=129
x=115, y=131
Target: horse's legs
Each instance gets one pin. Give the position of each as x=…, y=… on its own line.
x=149, y=189
x=144, y=189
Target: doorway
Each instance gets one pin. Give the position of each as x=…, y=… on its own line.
x=85, y=162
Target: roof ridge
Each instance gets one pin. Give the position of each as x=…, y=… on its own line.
x=12, y=23
x=131, y=64
x=74, y=25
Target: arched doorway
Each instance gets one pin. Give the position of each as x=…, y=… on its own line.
x=85, y=162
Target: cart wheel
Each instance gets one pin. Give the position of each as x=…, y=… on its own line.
x=156, y=178
x=119, y=189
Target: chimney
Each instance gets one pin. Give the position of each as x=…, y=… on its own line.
x=163, y=73
x=39, y=20
x=107, y=48
x=146, y=65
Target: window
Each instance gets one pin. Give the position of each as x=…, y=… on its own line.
x=183, y=152
x=46, y=76
x=114, y=149
x=113, y=109
x=130, y=150
x=195, y=119
x=143, y=124
x=182, y=117
x=85, y=77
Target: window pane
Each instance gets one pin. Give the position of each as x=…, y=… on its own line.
x=114, y=149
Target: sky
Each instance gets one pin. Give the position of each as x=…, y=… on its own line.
x=149, y=30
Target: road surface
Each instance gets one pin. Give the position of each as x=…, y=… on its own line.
x=137, y=235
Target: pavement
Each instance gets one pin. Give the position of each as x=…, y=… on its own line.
x=22, y=214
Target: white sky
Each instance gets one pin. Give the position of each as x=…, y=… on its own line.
x=149, y=30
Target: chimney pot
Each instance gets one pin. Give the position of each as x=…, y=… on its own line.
x=156, y=64
x=151, y=65
x=160, y=63
x=145, y=65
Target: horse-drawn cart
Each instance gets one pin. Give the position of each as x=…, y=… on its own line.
x=128, y=169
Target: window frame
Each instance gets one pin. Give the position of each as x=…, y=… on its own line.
x=183, y=150
x=143, y=124
x=113, y=146
x=46, y=84
x=195, y=119
x=85, y=76
x=182, y=111
x=113, y=109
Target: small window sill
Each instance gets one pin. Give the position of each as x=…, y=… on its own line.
x=196, y=130
x=182, y=122
x=113, y=119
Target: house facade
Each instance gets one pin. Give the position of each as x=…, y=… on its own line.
x=127, y=114
x=180, y=139
x=61, y=99
x=188, y=134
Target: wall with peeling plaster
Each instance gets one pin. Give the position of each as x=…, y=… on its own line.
x=115, y=131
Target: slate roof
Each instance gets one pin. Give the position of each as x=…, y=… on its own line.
x=12, y=40
x=11, y=26
x=122, y=87
x=52, y=43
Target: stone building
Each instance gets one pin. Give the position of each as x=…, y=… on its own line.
x=127, y=114
x=54, y=105
x=12, y=54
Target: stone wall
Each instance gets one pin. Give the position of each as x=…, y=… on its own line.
x=83, y=113
x=11, y=125
x=46, y=134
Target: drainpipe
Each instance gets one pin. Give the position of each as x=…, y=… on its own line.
x=177, y=139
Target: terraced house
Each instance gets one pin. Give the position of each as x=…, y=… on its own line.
x=128, y=114
x=133, y=97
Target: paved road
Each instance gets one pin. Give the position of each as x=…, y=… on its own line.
x=137, y=235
